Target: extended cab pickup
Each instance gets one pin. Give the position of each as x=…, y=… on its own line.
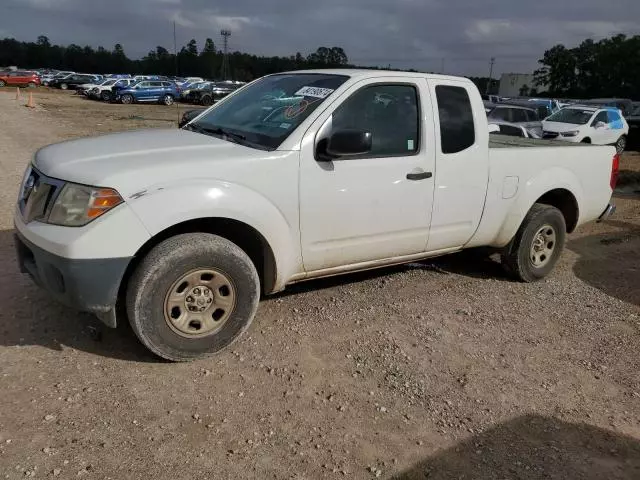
x=292, y=177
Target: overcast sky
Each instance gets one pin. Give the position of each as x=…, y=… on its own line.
x=403, y=33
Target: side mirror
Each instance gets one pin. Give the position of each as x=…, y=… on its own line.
x=600, y=125
x=347, y=143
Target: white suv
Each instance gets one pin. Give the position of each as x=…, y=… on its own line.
x=588, y=124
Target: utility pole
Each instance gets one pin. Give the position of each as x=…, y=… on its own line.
x=225, y=49
x=493, y=61
x=175, y=48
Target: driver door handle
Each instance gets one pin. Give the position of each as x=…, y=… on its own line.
x=419, y=175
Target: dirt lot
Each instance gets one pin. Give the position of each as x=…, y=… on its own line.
x=441, y=369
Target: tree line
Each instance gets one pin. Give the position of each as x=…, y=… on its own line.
x=189, y=61
x=607, y=68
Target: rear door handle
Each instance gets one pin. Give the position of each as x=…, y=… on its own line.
x=419, y=175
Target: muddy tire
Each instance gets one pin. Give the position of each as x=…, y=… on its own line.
x=538, y=244
x=192, y=296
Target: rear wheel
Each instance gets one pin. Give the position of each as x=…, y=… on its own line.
x=105, y=96
x=32, y=85
x=586, y=140
x=126, y=99
x=167, y=100
x=3, y=83
x=64, y=86
x=538, y=244
x=621, y=144
x=192, y=296
x=206, y=100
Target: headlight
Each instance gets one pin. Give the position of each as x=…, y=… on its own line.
x=572, y=133
x=77, y=205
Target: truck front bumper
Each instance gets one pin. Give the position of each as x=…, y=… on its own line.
x=609, y=211
x=86, y=285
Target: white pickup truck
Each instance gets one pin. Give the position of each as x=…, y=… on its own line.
x=294, y=176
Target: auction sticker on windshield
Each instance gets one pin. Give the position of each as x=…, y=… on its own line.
x=316, y=92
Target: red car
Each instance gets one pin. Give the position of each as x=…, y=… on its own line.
x=19, y=78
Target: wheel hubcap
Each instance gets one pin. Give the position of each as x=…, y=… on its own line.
x=199, y=303
x=543, y=246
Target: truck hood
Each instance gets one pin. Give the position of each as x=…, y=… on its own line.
x=136, y=159
x=560, y=127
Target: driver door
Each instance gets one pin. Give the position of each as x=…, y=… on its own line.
x=374, y=206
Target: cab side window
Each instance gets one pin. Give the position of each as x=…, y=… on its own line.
x=389, y=112
x=457, y=130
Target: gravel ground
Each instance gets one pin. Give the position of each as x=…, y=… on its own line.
x=440, y=369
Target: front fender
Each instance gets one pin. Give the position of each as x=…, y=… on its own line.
x=162, y=207
x=529, y=192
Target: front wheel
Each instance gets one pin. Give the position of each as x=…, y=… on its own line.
x=167, y=100
x=621, y=144
x=537, y=246
x=3, y=83
x=31, y=85
x=64, y=86
x=206, y=100
x=126, y=99
x=192, y=296
x=105, y=96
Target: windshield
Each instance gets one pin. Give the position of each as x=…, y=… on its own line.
x=267, y=111
x=571, y=115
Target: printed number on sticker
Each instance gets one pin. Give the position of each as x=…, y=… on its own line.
x=316, y=92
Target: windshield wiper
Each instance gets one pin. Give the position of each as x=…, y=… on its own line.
x=220, y=131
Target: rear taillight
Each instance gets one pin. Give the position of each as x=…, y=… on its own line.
x=615, y=170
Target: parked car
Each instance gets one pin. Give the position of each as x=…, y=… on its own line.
x=516, y=114
x=258, y=193
x=71, y=82
x=187, y=88
x=588, y=124
x=149, y=91
x=85, y=88
x=105, y=90
x=634, y=117
x=212, y=93
x=511, y=129
x=47, y=79
x=622, y=104
x=19, y=78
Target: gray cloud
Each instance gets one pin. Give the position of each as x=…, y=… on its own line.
x=403, y=33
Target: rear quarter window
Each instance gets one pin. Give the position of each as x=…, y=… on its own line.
x=457, y=130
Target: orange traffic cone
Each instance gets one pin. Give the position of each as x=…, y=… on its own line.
x=17, y=93
x=30, y=103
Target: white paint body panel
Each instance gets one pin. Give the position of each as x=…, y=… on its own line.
x=320, y=219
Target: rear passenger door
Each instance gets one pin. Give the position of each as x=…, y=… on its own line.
x=462, y=163
x=156, y=91
x=616, y=125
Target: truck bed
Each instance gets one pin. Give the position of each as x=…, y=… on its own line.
x=506, y=141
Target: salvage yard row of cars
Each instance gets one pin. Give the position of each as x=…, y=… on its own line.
x=125, y=88
x=597, y=121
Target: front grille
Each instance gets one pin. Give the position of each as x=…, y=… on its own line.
x=547, y=134
x=37, y=196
